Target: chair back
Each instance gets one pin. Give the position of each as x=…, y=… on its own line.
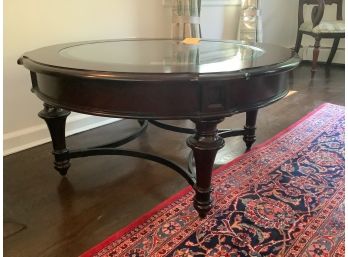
x=320, y=6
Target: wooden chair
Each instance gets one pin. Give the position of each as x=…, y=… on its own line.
x=319, y=29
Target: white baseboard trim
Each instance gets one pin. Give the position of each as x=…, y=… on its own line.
x=37, y=135
x=306, y=53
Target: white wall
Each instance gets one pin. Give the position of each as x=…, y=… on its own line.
x=32, y=24
x=220, y=21
x=279, y=21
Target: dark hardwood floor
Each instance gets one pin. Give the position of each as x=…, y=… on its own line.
x=47, y=215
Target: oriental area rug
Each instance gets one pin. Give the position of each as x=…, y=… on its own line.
x=285, y=197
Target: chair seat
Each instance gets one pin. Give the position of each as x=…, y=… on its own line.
x=323, y=27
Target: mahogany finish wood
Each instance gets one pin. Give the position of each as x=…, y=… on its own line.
x=55, y=119
x=250, y=128
x=234, y=78
x=204, y=144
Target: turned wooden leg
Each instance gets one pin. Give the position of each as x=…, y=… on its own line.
x=315, y=55
x=204, y=143
x=55, y=119
x=249, y=136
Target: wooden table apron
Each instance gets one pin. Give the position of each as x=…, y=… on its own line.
x=206, y=99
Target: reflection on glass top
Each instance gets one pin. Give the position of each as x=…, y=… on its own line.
x=165, y=55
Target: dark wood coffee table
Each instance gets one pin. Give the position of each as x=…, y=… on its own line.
x=159, y=79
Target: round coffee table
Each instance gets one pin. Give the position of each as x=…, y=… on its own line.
x=159, y=79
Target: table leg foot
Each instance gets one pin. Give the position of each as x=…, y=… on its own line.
x=55, y=119
x=204, y=143
x=249, y=136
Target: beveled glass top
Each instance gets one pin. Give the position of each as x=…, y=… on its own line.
x=160, y=56
x=165, y=55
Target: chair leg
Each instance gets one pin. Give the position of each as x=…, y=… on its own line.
x=315, y=54
x=333, y=51
x=298, y=41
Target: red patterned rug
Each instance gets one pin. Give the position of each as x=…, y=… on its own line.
x=283, y=198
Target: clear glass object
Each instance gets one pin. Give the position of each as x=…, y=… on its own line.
x=165, y=55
